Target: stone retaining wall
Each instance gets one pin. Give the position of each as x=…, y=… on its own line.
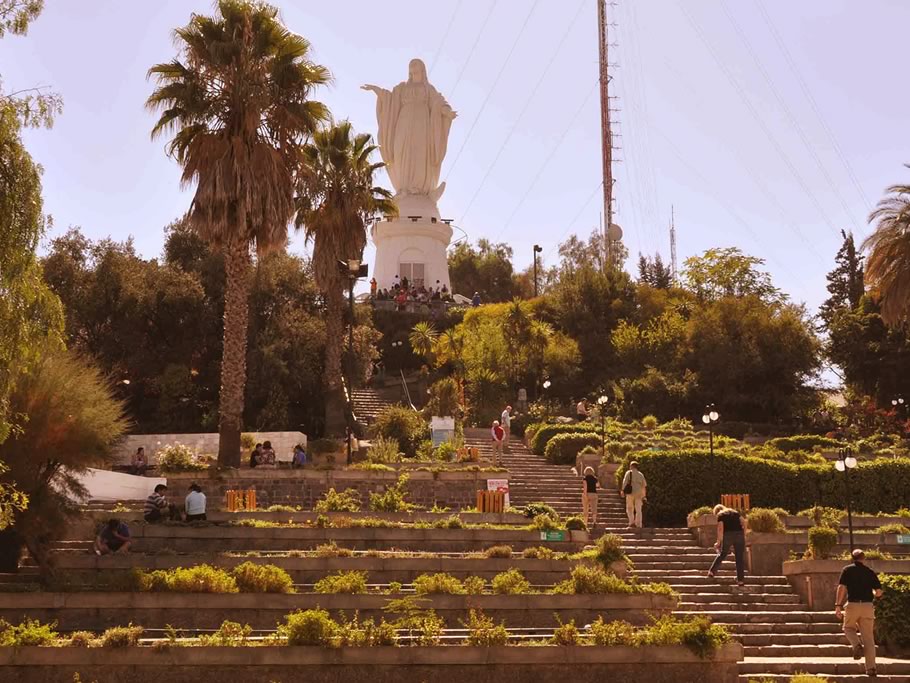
x=377, y=665
x=455, y=490
x=816, y=580
x=98, y=611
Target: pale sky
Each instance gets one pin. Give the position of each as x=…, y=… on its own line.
x=766, y=135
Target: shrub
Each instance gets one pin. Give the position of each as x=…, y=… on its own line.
x=405, y=426
x=538, y=553
x=82, y=639
x=247, y=441
x=544, y=523
x=27, y=634
x=892, y=613
x=699, y=511
x=566, y=635
x=613, y=633
x=893, y=529
x=532, y=510
x=332, y=549
x=310, y=627
x=803, y=442
x=450, y=522
x=511, y=582
x=502, y=551
x=542, y=436
x=608, y=549
x=649, y=422
x=393, y=499
x=822, y=540
x=698, y=634
x=771, y=483
x=475, y=585
x=763, y=520
x=383, y=450
x=563, y=449
x=367, y=633
x=332, y=501
x=202, y=578
x=353, y=582
x=426, y=584
x=178, y=457
x=483, y=631
x=229, y=634
x=824, y=516
x=585, y=580
x=576, y=524
x=122, y=636
x=262, y=578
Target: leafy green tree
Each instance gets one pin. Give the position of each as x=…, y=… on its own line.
x=16, y=15
x=486, y=269
x=728, y=272
x=888, y=263
x=73, y=423
x=653, y=272
x=238, y=101
x=845, y=283
x=336, y=195
x=753, y=359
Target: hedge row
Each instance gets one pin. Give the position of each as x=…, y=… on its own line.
x=892, y=613
x=562, y=449
x=545, y=432
x=803, y=442
x=679, y=482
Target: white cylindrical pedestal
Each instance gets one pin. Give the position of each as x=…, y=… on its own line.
x=412, y=248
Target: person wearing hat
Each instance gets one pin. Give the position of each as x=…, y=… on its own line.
x=857, y=588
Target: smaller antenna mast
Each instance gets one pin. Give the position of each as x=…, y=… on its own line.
x=673, y=272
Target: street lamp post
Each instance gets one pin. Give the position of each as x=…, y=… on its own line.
x=898, y=404
x=709, y=418
x=353, y=270
x=546, y=402
x=845, y=462
x=602, y=409
x=537, y=250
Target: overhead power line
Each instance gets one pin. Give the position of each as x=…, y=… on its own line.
x=546, y=161
x=445, y=36
x=789, y=113
x=467, y=59
x=525, y=108
x=794, y=68
x=492, y=88
x=758, y=119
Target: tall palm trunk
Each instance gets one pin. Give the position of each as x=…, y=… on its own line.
x=335, y=346
x=233, y=359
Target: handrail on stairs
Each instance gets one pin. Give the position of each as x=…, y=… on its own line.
x=407, y=393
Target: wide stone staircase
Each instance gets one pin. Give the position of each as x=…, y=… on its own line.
x=781, y=636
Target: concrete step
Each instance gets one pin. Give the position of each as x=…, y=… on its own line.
x=821, y=666
x=770, y=616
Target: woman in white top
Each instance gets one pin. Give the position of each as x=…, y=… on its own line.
x=195, y=504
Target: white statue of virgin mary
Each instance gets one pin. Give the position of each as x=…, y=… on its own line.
x=414, y=121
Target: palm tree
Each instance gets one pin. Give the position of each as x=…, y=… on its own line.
x=888, y=263
x=335, y=199
x=237, y=101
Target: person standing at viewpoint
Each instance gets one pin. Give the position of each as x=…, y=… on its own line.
x=506, y=422
x=857, y=588
x=635, y=491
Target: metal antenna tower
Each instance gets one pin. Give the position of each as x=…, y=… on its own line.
x=606, y=132
x=673, y=272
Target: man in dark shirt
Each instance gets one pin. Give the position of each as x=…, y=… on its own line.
x=858, y=586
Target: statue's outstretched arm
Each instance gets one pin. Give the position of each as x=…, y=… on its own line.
x=374, y=88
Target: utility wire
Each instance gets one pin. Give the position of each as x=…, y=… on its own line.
x=524, y=109
x=794, y=68
x=580, y=212
x=761, y=122
x=786, y=108
x=445, y=36
x=473, y=48
x=543, y=165
x=491, y=89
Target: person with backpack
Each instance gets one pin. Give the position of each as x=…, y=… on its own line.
x=635, y=491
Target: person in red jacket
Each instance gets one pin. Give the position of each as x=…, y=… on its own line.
x=498, y=434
